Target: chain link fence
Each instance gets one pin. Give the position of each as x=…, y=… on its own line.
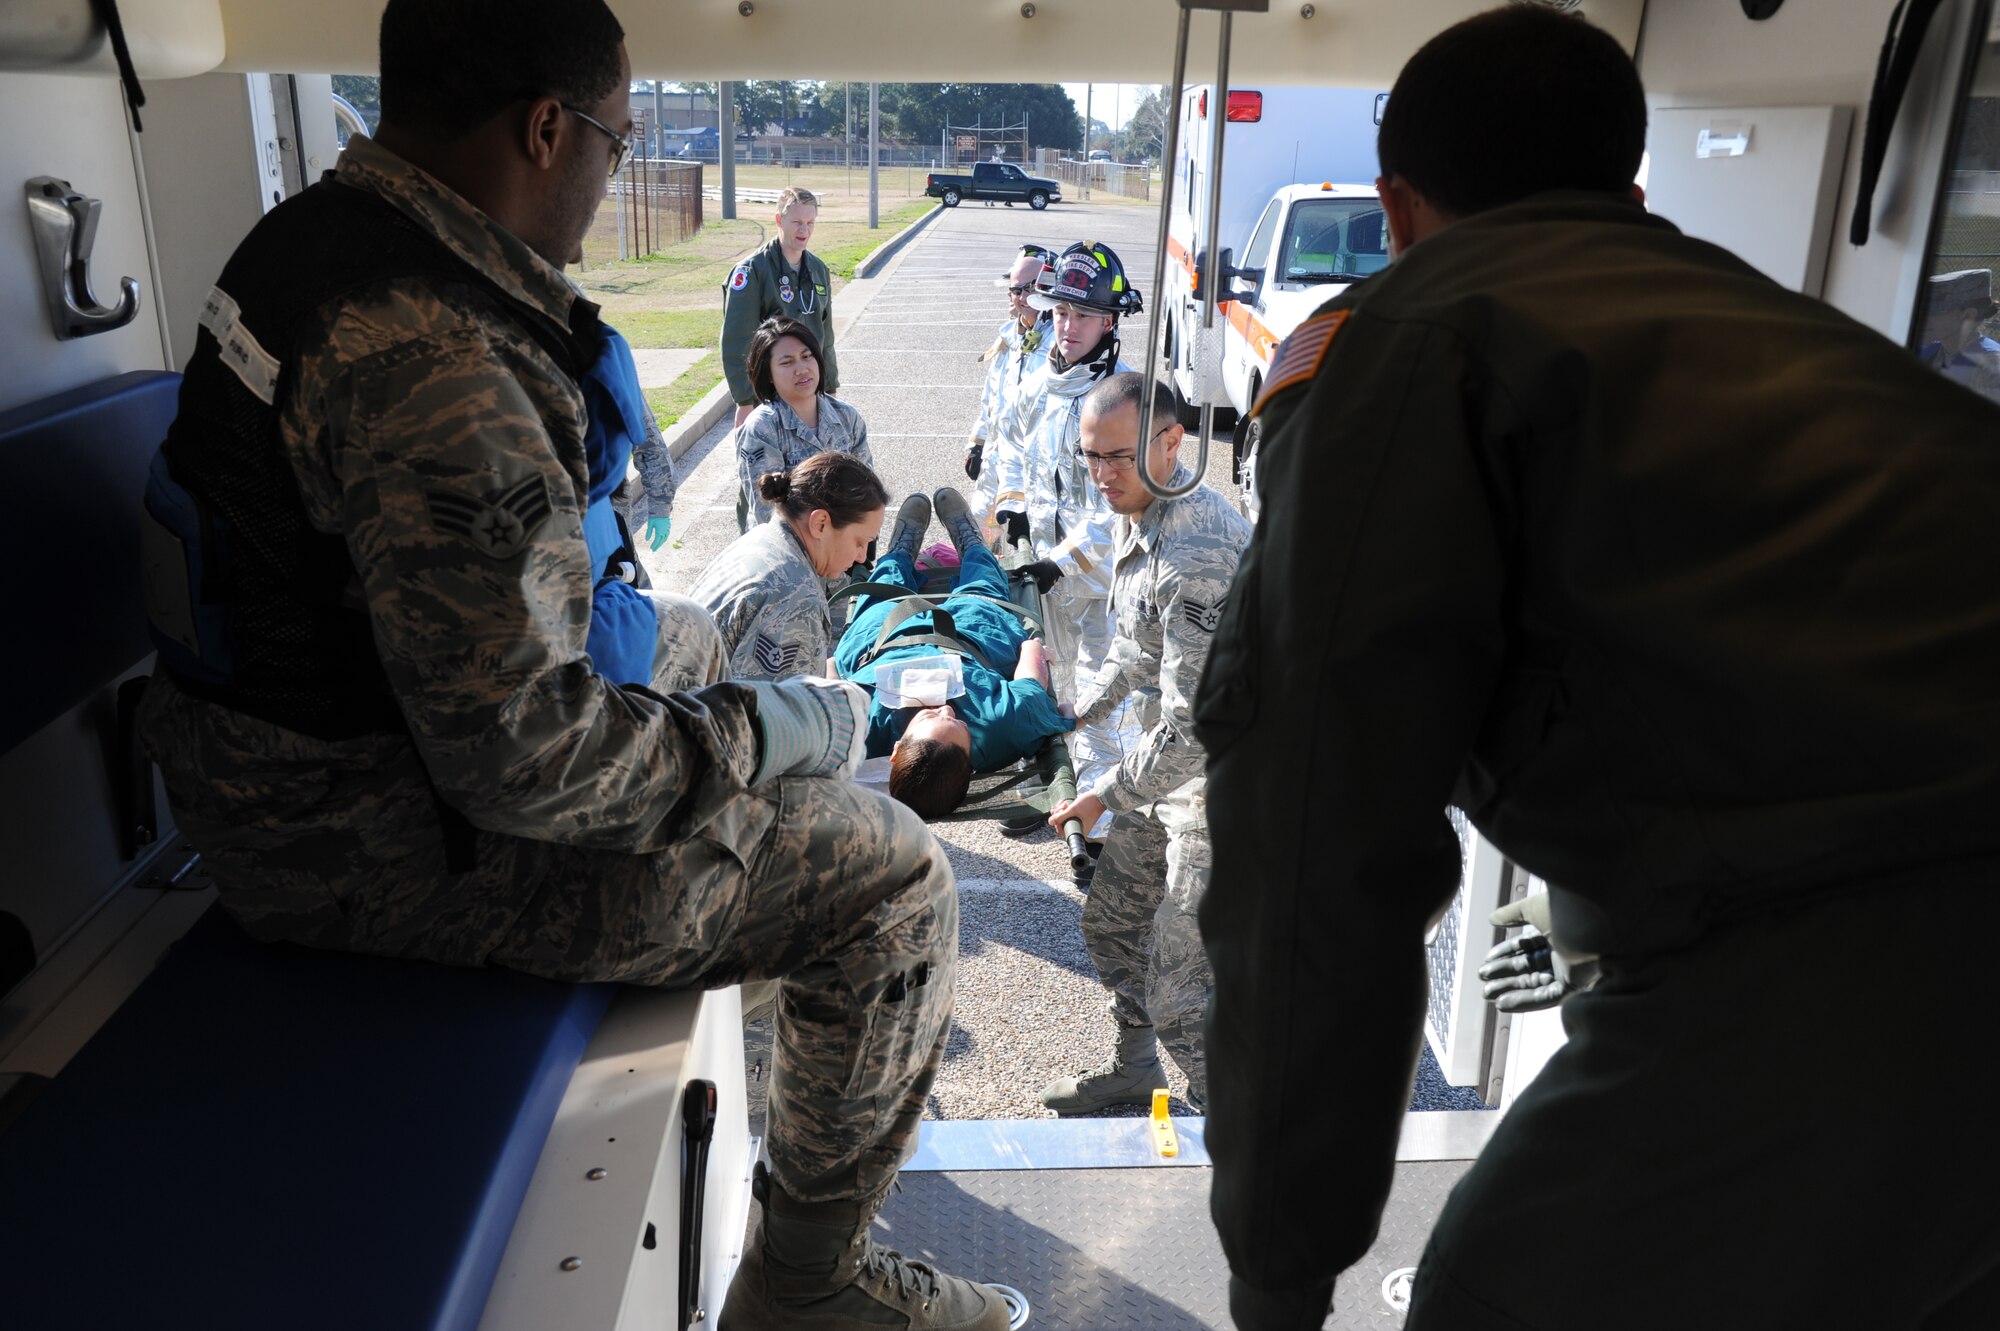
x=1133, y=180
x=652, y=204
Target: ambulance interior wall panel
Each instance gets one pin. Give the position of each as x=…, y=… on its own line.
x=1773, y=204
x=167, y=39
x=72, y=127
x=1349, y=43
x=1706, y=54
x=204, y=176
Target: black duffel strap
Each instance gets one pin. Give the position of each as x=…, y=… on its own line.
x=1900, y=48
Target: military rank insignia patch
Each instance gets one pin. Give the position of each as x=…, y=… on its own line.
x=740, y=278
x=772, y=659
x=1207, y=618
x=1299, y=355
x=499, y=525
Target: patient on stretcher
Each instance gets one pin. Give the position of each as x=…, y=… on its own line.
x=957, y=692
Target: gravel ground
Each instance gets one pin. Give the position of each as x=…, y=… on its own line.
x=1029, y=1006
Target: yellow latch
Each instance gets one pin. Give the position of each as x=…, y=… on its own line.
x=1164, y=1140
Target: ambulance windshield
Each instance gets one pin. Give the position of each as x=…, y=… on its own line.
x=1334, y=240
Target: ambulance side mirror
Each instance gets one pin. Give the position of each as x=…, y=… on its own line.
x=1238, y=283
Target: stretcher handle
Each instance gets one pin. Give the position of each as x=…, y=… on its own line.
x=1079, y=850
x=1211, y=257
x=697, y=1131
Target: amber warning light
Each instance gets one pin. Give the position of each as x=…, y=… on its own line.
x=1246, y=107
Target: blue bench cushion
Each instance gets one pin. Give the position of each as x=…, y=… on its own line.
x=266, y=1136
x=69, y=538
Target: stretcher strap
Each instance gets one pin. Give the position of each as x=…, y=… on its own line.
x=891, y=591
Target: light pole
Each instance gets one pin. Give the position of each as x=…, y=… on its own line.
x=1083, y=172
x=874, y=156
x=725, y=133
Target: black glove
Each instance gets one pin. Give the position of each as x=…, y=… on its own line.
x=1016, y=524
x=1044, y=572
x=973, y=453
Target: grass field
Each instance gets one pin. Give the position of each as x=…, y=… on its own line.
x=673, y=298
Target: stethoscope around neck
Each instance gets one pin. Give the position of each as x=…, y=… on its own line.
x=808, y=294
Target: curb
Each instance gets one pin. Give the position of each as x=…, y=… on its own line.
x=886, y=251
x=699, y=419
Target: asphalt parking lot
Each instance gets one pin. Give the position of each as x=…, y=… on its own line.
x=1029, y=1006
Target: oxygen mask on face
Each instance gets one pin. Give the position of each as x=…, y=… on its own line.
x=920, y=681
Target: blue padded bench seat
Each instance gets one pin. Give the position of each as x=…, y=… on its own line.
x=265, y=1137
x=76, y=467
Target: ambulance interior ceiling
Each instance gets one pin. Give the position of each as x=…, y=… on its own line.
x=1360, y=43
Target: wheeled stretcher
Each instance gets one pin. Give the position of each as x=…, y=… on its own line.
x=1035, y=784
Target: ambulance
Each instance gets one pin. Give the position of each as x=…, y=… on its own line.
x=1271, y=230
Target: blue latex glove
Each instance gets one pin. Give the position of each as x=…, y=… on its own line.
x=657, y=529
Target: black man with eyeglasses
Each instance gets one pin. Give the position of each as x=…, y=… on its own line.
x=413, y=747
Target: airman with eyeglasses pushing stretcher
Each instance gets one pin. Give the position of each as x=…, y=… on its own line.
x=1174, y=560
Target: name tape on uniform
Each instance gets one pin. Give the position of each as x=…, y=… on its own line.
x=242, y=353
x=1299, y=357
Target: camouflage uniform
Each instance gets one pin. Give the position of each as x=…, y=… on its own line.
x=769, y=603
x=617, y=834
x=1069, y=523
x=775, y=439
x=1017, y=357
x=653, y=497
x=1171, y=578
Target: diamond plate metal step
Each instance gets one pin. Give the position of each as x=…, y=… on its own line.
x=1129, y=1249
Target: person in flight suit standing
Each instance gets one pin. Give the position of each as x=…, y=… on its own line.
x=1680, y=584
x=782, y=279
x=402, y=747
x=1171, y=567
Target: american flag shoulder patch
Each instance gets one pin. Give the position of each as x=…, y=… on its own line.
x=1299, y=355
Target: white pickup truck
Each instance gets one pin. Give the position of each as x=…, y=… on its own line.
x=1310, y=242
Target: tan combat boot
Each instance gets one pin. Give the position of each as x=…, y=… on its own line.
x=813, y=1267
x=1129, y=1078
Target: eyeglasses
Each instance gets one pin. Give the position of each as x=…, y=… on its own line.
x=1114, y=463
x=624, y=151
x=1021, y=290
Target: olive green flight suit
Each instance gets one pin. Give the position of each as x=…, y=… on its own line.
x=762, y=287
x=1682, y=585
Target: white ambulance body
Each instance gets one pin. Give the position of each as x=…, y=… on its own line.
x=1309, y=244
x=1275, y=137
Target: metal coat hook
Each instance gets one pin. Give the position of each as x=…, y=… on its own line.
x=65, y=226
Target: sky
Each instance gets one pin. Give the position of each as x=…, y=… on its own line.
x=1110, y=102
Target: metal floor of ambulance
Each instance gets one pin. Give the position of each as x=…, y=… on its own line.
x=1097, y=1234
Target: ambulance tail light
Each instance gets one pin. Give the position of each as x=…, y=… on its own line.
x=1245, y=107
x=1201, y=107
